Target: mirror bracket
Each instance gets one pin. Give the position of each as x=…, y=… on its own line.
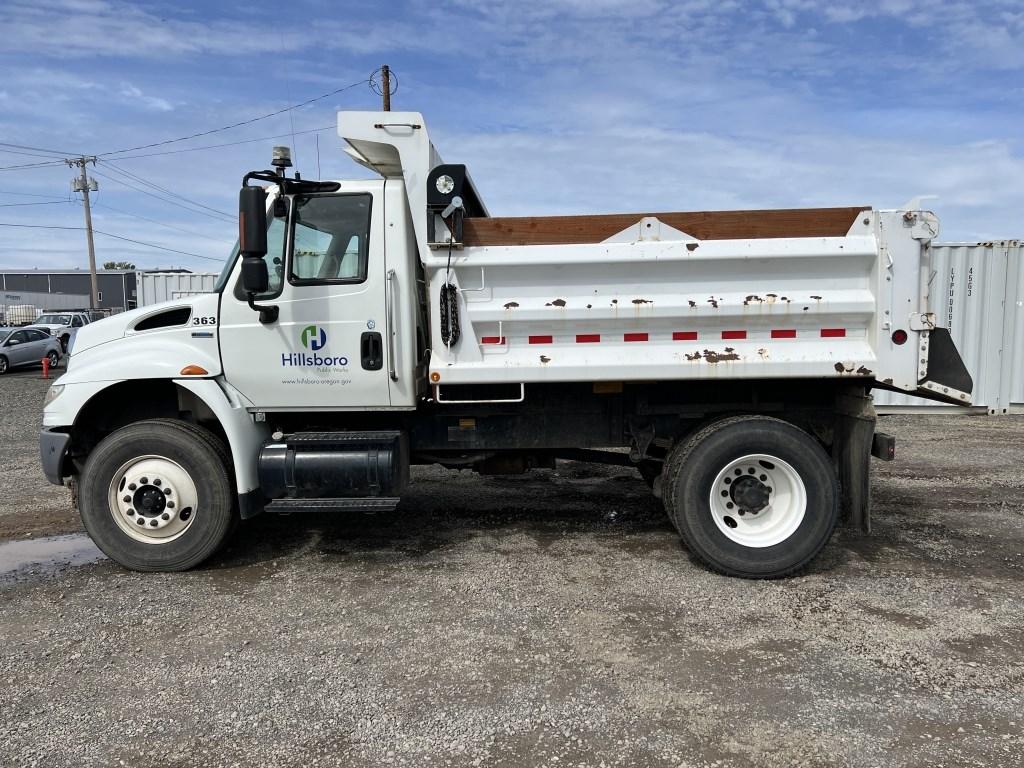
x=268, y=312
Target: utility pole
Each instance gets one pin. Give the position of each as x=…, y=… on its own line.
x=385, y=76
x=82, y=183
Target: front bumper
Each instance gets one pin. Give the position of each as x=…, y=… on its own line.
x=53, y=449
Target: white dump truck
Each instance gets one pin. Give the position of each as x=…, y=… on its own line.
x=364, y=326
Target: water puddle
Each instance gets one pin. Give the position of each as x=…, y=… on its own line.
x=47, y=554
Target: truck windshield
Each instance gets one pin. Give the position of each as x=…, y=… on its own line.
x=54, y=320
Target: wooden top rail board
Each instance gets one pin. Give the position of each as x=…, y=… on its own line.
x=703, y=225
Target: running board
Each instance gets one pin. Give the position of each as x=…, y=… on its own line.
x=369, y=504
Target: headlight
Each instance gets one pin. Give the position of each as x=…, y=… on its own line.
x=53, y=393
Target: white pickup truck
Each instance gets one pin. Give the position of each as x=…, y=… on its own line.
x=363, y=326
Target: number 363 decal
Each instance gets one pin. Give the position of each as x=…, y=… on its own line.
x=204, y=321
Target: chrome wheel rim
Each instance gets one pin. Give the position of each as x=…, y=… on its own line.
x=153, y=499
x=758, y=500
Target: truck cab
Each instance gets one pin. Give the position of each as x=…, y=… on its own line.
x=362, y=327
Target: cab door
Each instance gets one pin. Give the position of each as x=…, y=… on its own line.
x=326, y=348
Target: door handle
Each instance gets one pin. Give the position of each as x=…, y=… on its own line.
x=392, y=324
x=371, y=350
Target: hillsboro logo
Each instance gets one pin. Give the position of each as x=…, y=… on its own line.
x=314, y=338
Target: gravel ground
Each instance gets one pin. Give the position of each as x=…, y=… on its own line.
x=551, y=619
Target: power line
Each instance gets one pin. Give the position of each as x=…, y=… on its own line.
x=160, y=247
x=160, y=223
x=238, y=124
x=152, y=185
x=225, y=144
x=39, y=149
x=111, y=234
x=20, y=205
x=30, y=194
x=161, y=198
x=30, y=165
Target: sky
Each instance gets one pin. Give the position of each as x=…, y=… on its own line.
x=556, y=106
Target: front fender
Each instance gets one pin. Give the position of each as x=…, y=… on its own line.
x=245, y=437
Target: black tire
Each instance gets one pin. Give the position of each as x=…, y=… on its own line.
x=4, y=365
x=64, y=340
x=697, y=461
x=54, y=358
x=196, y=450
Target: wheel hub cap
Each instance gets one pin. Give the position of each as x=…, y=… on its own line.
x=758, y=500
x=153, y=499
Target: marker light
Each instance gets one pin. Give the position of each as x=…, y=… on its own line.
x=445, y=184
x=194, y=370
x=899, y=337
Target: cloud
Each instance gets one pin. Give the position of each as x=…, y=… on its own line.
x=154, y=103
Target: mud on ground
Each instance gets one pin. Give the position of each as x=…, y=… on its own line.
x=551, y=619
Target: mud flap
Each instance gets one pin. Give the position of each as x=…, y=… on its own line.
x=946, y=377
x=853, y=440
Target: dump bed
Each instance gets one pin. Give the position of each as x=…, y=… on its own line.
x=827, y=293
x=753, y=294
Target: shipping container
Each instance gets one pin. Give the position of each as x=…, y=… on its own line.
x=154, y=287
x=977, y=291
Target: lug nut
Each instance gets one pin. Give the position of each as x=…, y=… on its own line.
x=165, y=516
x=156, y=482
x=127, y=499
x=167, y=491
x=153, y=523
x=140, y=521
x=170, y=505
x=144, y=480
x=132, y=487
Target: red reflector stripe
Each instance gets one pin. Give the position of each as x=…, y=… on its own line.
x=784, y=333
x=734, y=334
x=541, y=339
x=588, y=338
x=833, y=333
x=492, y=340
x=634, y=337
x=684, y=336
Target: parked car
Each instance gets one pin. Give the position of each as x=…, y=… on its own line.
x=27, y=346
x=62, y=325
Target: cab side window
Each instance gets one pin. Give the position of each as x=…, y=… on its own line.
x=331, y=239
x=77, y=322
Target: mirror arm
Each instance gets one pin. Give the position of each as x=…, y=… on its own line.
x=268, y=312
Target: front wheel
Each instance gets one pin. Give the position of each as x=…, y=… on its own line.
x=157, y=495
x=52, y=358
x=4, y=365
x=752, y=496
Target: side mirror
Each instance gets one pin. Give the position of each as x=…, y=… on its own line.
x=255, y=277
x=12, y=342
x=252, y=222
x=252, y=238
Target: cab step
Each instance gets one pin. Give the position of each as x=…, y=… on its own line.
x=368, y=504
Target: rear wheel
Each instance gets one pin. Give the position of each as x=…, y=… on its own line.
x=752, y=496
x=4, y=365
x=157, y=495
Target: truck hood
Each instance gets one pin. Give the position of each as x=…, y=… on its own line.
x=155, y=341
